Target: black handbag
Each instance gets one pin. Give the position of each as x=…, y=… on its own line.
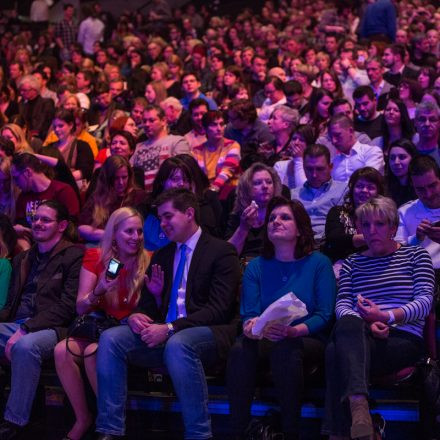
x=89, y=328
x=264, y=428
x=431, y=385
x=258, y=430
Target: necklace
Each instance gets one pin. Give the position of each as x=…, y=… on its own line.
x=286, y=270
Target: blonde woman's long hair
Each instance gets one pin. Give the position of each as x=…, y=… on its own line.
x=136, y=268
x=21, y=144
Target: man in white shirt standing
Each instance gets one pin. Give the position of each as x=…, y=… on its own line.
x=351, y=154
x=40, y=11
x=39, y=14
x=90, y=30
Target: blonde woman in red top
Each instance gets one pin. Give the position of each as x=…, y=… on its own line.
x=123, y=240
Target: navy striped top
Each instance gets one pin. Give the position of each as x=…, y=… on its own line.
x=403, y=279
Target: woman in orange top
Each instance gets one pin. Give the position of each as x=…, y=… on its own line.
x=218, y=157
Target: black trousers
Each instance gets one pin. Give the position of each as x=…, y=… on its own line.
x=351, y=356
x=286, y=359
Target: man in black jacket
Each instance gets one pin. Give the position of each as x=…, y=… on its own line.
x=40, y=306
x=393, y=59
x=185, y=321
x=38, y=112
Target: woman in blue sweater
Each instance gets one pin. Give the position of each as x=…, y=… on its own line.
x=288, y=264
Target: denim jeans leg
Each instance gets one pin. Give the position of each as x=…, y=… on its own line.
x=401, y=349
x=353, y=353
x=116, y=347
x=27, y=356
x=184, y=355
x=336, y=420
x=7, y=329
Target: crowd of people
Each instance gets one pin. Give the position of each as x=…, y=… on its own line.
x=177, y=171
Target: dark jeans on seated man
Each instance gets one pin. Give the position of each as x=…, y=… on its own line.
x=184, y=354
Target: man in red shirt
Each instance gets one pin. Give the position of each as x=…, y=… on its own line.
x=28, y=174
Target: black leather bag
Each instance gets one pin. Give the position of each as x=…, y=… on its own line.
x=258, y=430
x=89, y=328
x=431, y=384
x=264, y=428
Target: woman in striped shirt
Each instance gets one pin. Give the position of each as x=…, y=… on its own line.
x=384, y=295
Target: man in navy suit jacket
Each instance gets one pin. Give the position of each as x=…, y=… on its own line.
x=184, y=321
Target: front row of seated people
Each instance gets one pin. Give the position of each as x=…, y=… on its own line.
x=181, y=313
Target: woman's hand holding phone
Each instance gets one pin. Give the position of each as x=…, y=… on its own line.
x=103, y=285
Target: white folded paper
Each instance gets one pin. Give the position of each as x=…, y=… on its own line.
x=284, y=311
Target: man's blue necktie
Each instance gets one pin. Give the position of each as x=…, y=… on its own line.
x=172, y=308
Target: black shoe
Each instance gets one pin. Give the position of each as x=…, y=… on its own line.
x=9, y=430
x=379, y=425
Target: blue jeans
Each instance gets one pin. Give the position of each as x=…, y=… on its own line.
x=184, y=355
x=27, y=355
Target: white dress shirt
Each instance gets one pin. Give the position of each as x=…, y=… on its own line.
x=191, y=244
x=90, y=30
x=284, y=170
x=411, y=214
x=39, y=11
x=361, y=155
x=267, y=108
